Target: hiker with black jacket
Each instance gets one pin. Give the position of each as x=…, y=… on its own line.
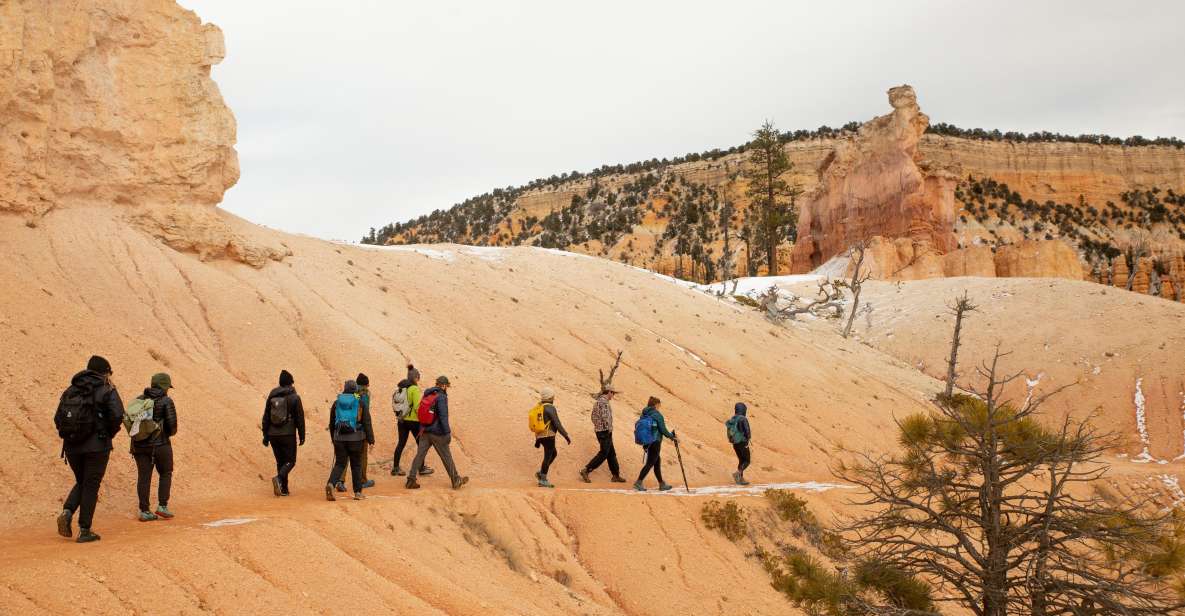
x=156, y=449
x=435, y=434
x=350, y=427
x=283, y=422
x=88, y=417
x=602, y=420
x=546, y=438
x=363, y=395
x=739, y=434
x=406, y=402
x=653, y=421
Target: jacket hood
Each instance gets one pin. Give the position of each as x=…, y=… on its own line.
x=350, y=387
x=87, y=380
x=650, y=410
x=154, y=393
x=435, y=390
x=282, y=391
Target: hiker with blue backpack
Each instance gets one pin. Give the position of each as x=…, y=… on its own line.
x=739, y=434
x=282, y=424
x=649, y=431
x=151, y=421
x=435, y=433
x=349, y=425
x=544, y=422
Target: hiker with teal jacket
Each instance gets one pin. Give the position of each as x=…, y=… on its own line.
x=739, y=434
x=649, y=430
x=349, y=425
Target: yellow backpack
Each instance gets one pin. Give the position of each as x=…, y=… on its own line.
x=536, y=420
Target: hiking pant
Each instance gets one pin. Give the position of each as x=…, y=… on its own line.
x=365, y=459
x=89, y=469
x=406, y=429
x=162, y=459
x=284, y=449
x=607, y=452
x=440, y=443
x=653, y=460
x=351, y=452
x=549, y=452
x=742, y=450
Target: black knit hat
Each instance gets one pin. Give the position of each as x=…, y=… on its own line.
x=286, y=379
x=362, y=380
x=99, y=364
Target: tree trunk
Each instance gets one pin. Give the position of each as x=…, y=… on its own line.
x=953, y=360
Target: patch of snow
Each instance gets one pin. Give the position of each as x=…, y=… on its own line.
x=229, y=522
x=485, y=253
x=1142, y=425
x=1174, y=486
x=431, y=253
x=1031, y=384
x=562, y=253
x=727, y=490
x=836, y=267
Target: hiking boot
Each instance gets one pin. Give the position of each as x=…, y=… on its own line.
x=329, y=492
x=86, y=536
x=741, y=479
x=617, y=479
x=65, y=518
x=538, y=476
x=398, y=472
x=277, y=488
x=412, y=485
x=427, y=470
x=340, y=486
x=163, y=512
x=663, y=487
x=544, y=483
x=285, y=493
x=147, y=516
x=458, y=483
x=584, y=475
x=369, y=483
x=359, y=496
x=639, y=487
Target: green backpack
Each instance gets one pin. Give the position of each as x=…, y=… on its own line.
x=137, y=418
x=735, y=436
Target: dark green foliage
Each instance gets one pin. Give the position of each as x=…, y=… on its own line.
x=942, y=128
x=727, y=518
x=816, y=588
x=771, y=198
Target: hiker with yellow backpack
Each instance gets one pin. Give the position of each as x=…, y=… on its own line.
x=544, y=422
x=151, y=420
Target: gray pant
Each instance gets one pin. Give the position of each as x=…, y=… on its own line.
x=440, y=444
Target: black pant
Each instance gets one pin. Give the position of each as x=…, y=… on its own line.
x=549, y=452
x=162, y=458
x=742, y=450
x=89, y=469
x=607, y=452
x=343, y=452
x=406, y=429
x=653, y=460
x=284, y=449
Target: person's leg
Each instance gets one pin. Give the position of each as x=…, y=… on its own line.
x=441, y=445
x=549, y=453
x=658, y=461
x=289, y=461
x=422, y=446
x=357, y=453
x=164, y=468
x=404, y=433
x=340, y=458
x=602, y=453
x=96, y=467
x=364, y=461
x=77, y=462
x=143, y=478
x=611, y=456
x=647, y=463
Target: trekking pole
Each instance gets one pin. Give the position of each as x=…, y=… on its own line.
x=679, y=454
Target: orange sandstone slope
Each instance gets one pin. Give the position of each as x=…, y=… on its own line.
x=501, y=324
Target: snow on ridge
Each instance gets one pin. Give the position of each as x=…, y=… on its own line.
x=728, y=490
x=1142, y=427
x=431, y=253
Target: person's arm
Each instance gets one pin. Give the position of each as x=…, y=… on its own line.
x=170, y=417
x=553, y=417
x=745, y=429
x=332, y=414
x=442, y=413
x=263, y=422
x=366, y=425
x=662, y=426
x=297, y=412
x=114, y=411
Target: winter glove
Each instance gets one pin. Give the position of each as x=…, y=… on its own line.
x=567, y=439
x=302, y=441
x=266, y=442
x=536, y=443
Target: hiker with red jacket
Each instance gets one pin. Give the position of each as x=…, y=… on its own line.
x=435, y=433
x=349, y=425
x=88, y=417
x=283, y=422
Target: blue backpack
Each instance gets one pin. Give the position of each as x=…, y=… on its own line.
x=346, y=413
x=645, y=431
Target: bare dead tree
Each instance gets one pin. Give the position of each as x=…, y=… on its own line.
x=829, y=297
x=959, y=307
x=858, y=279
x=991, y=507
x=607, y=381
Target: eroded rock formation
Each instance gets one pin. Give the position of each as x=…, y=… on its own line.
x=112, y=104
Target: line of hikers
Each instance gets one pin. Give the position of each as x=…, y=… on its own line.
x=90, y=413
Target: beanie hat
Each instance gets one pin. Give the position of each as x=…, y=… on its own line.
x=363, y=380
x=286, y=379
x=161, y=380
x=98, y=364
x=349, y=387
x=547, y=395
x=740, y=408
x=412, y=373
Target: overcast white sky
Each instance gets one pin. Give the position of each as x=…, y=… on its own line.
x=356, y=113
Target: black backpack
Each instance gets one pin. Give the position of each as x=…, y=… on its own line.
x=277, y=411
x=77, y=417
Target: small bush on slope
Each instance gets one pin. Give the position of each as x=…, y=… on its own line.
x=727, y=518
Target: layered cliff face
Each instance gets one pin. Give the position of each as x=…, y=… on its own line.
x=112, y=104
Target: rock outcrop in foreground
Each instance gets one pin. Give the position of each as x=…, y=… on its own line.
x=112, y=104
x=877, y=187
